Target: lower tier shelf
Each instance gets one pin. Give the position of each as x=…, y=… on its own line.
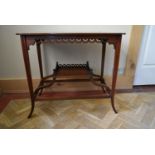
x=72, y=95
x=81, y=73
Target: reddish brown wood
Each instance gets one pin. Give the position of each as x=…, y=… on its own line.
x=44, y=37
x=72, y=72
x=39, y=59
x=28, y=71
x=103, y=58
x=71, y=34
x=117, y=47
x=28, y=39
x=72, y=95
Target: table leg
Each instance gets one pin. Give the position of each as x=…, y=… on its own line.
x=40, y=62
x=39, y=59
x=115, y=71
x=103, y=59
x=28, y=72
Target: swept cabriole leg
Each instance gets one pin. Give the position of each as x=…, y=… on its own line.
x=117, y=46
x=28, y=72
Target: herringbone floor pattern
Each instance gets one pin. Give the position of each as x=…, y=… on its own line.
x=136, y=110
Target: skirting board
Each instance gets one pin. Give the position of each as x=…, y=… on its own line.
x=20, y=85
x=0, y=91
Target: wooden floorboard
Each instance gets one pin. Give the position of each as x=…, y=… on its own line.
x=135, y=111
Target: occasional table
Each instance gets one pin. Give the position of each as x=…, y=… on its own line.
x=71, y=72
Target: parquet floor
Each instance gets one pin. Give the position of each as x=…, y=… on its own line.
x=136, y=110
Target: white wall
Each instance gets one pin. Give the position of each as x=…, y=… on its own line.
x=11, y=60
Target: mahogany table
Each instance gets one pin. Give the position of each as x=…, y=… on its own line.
x=67, y=70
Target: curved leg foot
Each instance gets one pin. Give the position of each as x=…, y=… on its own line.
x=32, y=109
x=113, y=105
